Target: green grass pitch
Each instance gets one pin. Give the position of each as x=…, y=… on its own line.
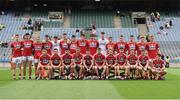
x=90, y=89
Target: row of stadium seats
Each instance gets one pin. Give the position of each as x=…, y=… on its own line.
x=127, y=22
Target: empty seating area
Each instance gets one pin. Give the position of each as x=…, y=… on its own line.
x=85, y=18
x=126, y=21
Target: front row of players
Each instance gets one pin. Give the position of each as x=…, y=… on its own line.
x=77, y=66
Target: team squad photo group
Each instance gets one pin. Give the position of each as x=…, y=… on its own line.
x=80, y=59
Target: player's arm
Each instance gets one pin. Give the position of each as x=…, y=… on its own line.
x=84, y=63
x=92, y=63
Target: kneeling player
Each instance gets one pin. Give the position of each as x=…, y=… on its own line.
x=43, y=65
x=55, y=63
x=158, y=68
x=143, y=64
x=78, y=63
x=67, y=68
x=132, y=63
x=110, y=63
x=99, y=60
x=88, y=63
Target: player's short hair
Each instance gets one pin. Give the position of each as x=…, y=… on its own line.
x=27, y=34
x=92, y=35
x=16, y=34
x=64, y=33
x=55, y=49
x=159, y=55
x=73, y=36
x=55, y=37
x=121, y=36
x=46, y=35
x=102, y=33
x=82, y=34
x=131, y=35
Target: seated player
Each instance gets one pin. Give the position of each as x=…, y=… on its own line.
x=67, y=65
x=143, y=64
x=110, y=63
x=159, y=68
x=121, y=63
x=99, y=64
x=44, y=65
x=78, y=63
x=132, y=63
x=88, y=63
x=55, y=63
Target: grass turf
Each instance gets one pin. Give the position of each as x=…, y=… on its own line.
x=90, y=89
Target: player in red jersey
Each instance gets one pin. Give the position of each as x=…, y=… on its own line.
x=132, y=63
x=16, y=57
x=73, y=45
x=27, y=54
x=64, y=45
x=99, y=61
x=144, y=64
x=131, y=45
x=44, y=64
x=82, y=44
x=159, y=68
x=78, y=63
x=121, y=63
x=37, y=49
x=121, y=44
x=110, y=45
x=93, y=44
x=48, y=44
x=141, y=46
x=67, y=64
x=88, y=63
x=55, y=63
x=111, y=63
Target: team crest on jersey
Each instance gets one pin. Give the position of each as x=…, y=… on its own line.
x=93, y=44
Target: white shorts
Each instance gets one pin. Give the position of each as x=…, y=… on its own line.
x=17, y=60
x=35, y=60
x=28, y=58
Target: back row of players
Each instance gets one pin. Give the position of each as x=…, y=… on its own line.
x=81, y=58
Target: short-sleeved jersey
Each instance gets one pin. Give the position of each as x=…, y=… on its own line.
x=37, y=47
x=141, y=47
x=99, y=59
x=16, y=49
x=93, y=45
x=152, y=48
x=88, y=59
x=67, y=59
x=73, y=47
x=143, y=60
x=27, y=47
x=110, y=46
x=110, y=59
x=56, y=59
x=83, y=45
x=131, y=46
x=44, y=59
x=132, y=59
x=158, y=63
x=121, y=59
x=121, y=45
x=63, y=45
x=77, y=57
x=48, y=47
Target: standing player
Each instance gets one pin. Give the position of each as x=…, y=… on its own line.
x=55, y=63
x=132, y=63
x=141, y=46
x=73, y=45
x=78, y=63
x=37, y=49
x=82, y=44
x=121, y=44
x=16, y=56
x=159, y=68
x=56, y=44
x=121, y=63
x=110, y=45
x=102, y=43
x=67, y=64
x=48, y=44
x=88, y=63
x=64, y=45
x=27, y=54
x=44, y=64
x=143, y=64
x=93, y=44
x=131, y=45
x=99, y=64
x=111, y=63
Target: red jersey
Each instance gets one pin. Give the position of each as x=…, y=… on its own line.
x=141, y=47
x=67, y=59
x=37, y=47
x=63, y=45
x=121, y=59
x=44, y=59
x=55, y=58
x=152, y=48
x=73, y=47
x=110, y=46
x=27, y=47
x=143, y=60
x=158, y=63
x=132, y=59
x=99, y=59
x=111, y=59
x=77, y=57
x=131, y=46
x=88, y=59
x=16, y=49
x=93, y=45
x=83, y=45
x=48, y=47
x=121, y=45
